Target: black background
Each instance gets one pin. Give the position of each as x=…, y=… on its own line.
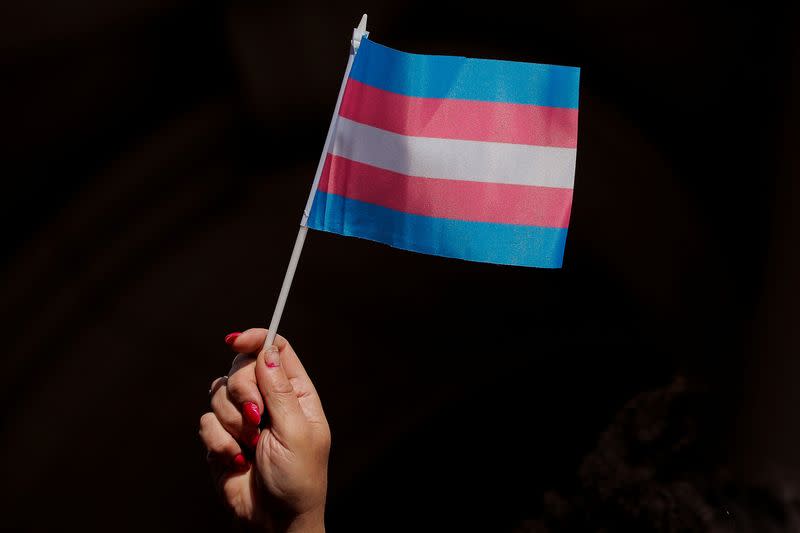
x=157, y=156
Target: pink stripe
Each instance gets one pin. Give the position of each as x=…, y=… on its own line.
x=442, y=198
x=460, y=119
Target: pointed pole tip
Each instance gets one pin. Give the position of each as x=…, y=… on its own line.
x=359, y=33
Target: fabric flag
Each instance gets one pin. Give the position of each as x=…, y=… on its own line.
x=453, y=156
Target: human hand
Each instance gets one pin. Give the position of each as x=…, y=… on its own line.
x=283, y=487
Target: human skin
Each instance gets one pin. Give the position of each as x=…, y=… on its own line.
x=274, y=479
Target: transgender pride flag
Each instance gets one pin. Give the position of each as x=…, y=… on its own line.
x=457, y=157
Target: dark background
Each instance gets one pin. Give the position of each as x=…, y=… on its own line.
x=156, y=159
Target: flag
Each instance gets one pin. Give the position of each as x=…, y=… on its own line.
x=453, y=156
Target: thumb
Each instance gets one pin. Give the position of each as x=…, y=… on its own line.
x=286, y=415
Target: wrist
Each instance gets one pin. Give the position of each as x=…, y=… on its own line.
x=309, y=522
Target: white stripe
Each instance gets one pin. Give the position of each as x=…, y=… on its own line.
x=427, y=157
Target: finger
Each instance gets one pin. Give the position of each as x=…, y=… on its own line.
x=303, y=386
x=252, y=341
x=243, y=389
x=229, y=468
x=231, y=419
x=220, y=444
x=224, y=474
x=283, y=406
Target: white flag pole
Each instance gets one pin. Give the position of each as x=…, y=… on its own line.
x=358, y=33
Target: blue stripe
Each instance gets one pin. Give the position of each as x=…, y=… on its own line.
x=465, y=78
x=504, y=244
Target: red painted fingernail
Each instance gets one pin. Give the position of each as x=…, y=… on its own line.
x=239, y=460
x=254, y=440
x=251, y=413
x=230, y=337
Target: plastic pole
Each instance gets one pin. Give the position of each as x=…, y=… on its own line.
x=358, y=33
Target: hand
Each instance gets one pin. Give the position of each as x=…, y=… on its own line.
x=283, y=487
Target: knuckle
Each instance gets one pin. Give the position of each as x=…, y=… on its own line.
x=232, y=424
x=282, y=387
x=217, y=444
x=216, y=447
x=216, y=401
x=206, y=420
x=237, y=387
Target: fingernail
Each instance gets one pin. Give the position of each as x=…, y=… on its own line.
x=251, y=413
x=239, y=460
x=230, y=337
x=254, y=440
x=272, y=357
